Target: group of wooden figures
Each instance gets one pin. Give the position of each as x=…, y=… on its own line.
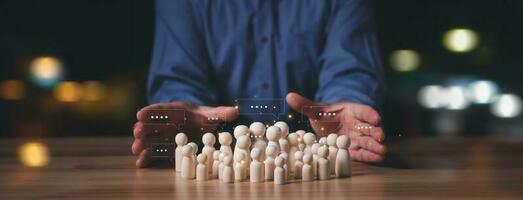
x=264, y=154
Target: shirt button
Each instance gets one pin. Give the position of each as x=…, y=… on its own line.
x=264, y=40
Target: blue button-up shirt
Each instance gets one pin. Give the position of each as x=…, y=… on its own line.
x=213, y=52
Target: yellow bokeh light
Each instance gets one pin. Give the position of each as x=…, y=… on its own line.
x=68, y=91
x=46, y=67
x=460, y=40
x=93, y=91
x=289, y=116
x=404, y=60
x=33, y=154
x=12, y=89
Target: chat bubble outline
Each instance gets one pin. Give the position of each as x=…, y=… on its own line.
x=162, y=150
x=261, y=106
x=178, y=117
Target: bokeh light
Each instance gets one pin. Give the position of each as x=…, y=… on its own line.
x=404, y=60
x=93, y=91
x=12, y=90
x=435, y=96
x=456, y=98
x=506, y=106
x=482, y=91
x=33, y=154
x=460, y=40
x=430, y=96
x=68, y=91
x=46, y=71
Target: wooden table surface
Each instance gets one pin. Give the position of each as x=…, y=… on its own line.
x=417, y=169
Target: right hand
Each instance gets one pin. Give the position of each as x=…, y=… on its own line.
x=195, y=122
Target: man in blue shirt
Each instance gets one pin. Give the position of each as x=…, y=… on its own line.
x=314, y=54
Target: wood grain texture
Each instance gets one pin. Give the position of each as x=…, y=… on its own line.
x=86, y=168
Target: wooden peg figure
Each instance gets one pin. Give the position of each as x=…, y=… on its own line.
x=301, y=134
x=256, y=167
x=279, y=171
x=271, y=154
x=225, y=139
x=323, y=141
x=239, y=166
x=284, y=132
x=273, y=135
x=228, y=172
x=283, y=127
x=187, y=162
x=221, y=165
x=284, y=145
x=292, y=138
x=194, y=151
x=201, y=169
x=323, y=163
x=286, y=167
x=343, y=160
x=215, y=164
x=314, y=152
x=243, y=144
x=180, y=140
x=306, y=172
x=301, y=144
x=298, y=164
x=208, y=140
x=333, y=149
x=239, y=131
x=257, y=132
x=309, y=139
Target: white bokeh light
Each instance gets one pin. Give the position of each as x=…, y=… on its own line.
x=430, y=96
x=506, y=106
x=435, y=96
x=482, y=91
x=456, y=98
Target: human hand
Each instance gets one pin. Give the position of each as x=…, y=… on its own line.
x=360, y=122
x=195, y=121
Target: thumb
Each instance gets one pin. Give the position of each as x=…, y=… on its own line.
x=223, y=113
x=303, y=105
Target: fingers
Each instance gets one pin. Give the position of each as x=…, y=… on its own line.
x=138, y=130
x=377, y=133
x=144, y=158
x=365, y=156
x=303, y=105
x=366, y=113
x=369, y=144
x=139, y=145
x=368, y=130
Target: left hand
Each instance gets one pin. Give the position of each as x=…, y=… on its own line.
x=360, y=122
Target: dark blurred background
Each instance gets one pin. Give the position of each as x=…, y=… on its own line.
x=78, y=68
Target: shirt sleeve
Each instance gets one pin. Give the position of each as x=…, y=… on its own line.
x=350, y=66
x=180, y=67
